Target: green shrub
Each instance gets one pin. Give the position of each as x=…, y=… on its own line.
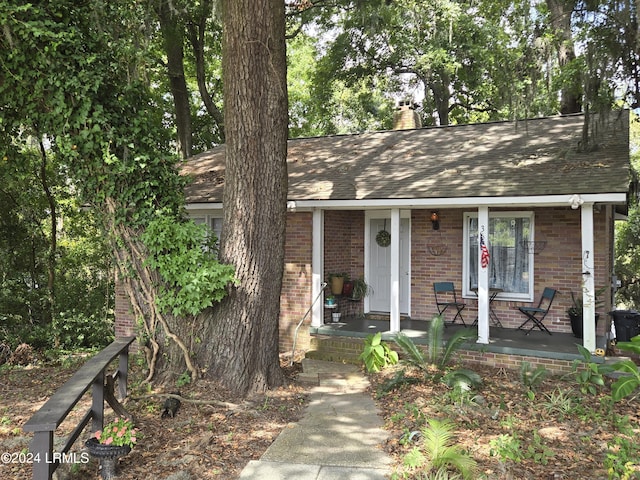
x=622, y=458
x=73, y=330
x=377, y=354
x=630, y=379
x=434, y=363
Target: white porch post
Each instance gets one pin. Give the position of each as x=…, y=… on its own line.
x=394, y=307
x=483, y=278
x=317, y=266
x=588, y=287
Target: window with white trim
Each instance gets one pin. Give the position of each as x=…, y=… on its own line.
x=212, y=221
x=510, y=264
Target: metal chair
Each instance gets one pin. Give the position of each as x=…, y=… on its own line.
x=446, y=298
x=536, y=314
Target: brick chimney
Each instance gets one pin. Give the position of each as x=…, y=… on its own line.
x=405, y=117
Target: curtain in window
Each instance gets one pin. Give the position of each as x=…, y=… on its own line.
x=509, y=264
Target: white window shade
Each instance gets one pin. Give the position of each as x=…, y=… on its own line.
x=510, y=264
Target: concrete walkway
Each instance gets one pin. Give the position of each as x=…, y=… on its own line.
x=338, y=438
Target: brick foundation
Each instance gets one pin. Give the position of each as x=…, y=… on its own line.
x=347, y=350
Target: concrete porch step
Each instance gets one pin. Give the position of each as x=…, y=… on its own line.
x=336, y=349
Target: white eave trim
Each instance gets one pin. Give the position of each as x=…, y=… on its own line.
x=441, y=202
x=204, y=206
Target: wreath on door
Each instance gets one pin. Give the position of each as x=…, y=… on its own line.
x=383, y=238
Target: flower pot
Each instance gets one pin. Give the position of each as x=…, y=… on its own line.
x=347, y=288
x=576, y=324
x=336, y=285
x=108, y=456
x=335, y=317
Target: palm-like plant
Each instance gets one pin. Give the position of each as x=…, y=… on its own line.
x=439, y=353
x=438, y=356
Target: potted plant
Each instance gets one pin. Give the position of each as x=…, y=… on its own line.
x=112, y=442
x=360, y=289
x=347, y=288
x=336, y=280
x=330, y=300
x=575, y=312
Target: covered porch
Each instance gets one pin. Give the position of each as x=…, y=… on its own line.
x=560, y=347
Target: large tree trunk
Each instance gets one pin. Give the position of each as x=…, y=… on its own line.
x=241, y=345
x=571, y=93
x=172, y=30
x=196, y=30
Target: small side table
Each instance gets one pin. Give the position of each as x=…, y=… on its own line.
x=331, y=308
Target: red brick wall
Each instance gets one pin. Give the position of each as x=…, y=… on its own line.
x=558, y=266
x=427, y=268
x=295, y=298
x=344, y=242
x=125, y=322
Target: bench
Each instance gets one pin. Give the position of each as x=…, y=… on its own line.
x=92, y=374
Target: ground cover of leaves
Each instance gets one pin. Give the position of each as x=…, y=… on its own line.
x=209, y=438
x=551, y=432
x=560, y=432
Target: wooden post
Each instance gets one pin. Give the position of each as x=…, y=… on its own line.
x=123, y=373
x=97, y=403
x=42, y=449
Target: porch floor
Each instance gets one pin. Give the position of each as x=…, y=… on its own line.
x=561, y=346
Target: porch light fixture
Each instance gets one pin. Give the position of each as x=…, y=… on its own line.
x=575, y=201
x=435, y=220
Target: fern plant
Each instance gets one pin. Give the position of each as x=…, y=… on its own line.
x=438, y=453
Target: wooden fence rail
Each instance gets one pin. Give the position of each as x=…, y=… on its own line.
x=92, y=374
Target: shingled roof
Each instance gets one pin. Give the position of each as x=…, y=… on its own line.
x=523, y=158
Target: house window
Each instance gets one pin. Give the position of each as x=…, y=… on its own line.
x=510, y=265
x=213, y=222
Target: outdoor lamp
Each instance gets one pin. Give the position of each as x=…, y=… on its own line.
x=435, y=220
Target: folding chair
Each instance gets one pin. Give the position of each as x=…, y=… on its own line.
x=446, y=297
x=536, y=314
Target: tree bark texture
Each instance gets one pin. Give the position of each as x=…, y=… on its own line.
x=172, y=30
x=196, y=30
x=242, y=345
x=49, y=309
x=571, y=94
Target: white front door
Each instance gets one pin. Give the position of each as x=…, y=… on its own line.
x=379, y=271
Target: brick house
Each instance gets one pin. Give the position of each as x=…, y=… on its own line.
x=546, y=206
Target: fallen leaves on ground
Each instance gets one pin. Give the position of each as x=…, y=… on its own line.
x=551, y=432
x=204, y=440
x=560, y=432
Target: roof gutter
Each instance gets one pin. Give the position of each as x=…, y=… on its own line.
x=571, y=200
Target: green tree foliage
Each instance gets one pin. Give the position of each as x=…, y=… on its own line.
x=185, y=256
x=75, y=80
x=467, y=62
x=627, y=259
x=463, y=62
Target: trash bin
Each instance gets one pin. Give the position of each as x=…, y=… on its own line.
x=627, y=323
